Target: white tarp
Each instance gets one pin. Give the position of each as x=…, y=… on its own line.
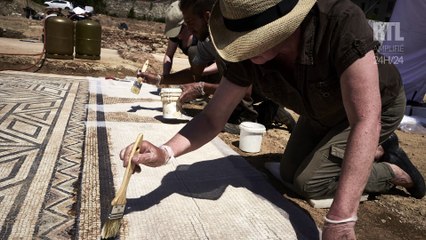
x=210, y=193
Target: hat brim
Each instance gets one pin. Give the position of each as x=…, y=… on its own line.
x=173, y=32
x=238, y=46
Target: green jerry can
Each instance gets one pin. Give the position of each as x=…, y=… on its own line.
x=59, y=37
x=88, y=39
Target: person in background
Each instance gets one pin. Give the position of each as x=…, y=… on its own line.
x=203, y=77
x=181, y=37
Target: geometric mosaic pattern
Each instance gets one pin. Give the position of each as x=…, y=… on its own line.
x=41, y=142
x=57, y=221
x=56, y=180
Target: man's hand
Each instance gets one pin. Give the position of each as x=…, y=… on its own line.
x=190, y=91
x=150, y=78
x=148, y=155
x=339, y=231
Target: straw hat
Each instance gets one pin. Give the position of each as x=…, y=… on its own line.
x=174, y=20
x=242, y=29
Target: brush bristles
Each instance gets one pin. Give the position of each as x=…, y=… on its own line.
x=111, y=228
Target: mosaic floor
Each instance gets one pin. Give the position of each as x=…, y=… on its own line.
x=41, y=137
x=60, y=139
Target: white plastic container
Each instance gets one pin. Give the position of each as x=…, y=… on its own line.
x=251, y=135
x=171, y=107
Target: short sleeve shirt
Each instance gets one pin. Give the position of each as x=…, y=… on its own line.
x=181, y=46
x=206, y=53
x=334, y=35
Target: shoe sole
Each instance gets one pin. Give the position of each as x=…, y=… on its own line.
x=400, y=158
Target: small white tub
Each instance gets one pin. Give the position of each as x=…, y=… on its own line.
x=169, y=98
x=251, y=135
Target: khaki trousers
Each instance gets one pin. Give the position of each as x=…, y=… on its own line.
x=312, y=162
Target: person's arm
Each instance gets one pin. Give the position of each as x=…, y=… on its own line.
x=181, y=77
x=191, y=91
x=211, y=69
x=185, y=76
x=207, y=124
x=197, y=71
x=188, y=75
x=197, y=132
x=168, y=57
x=361, y=98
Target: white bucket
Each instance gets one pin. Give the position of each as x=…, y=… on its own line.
x=169, y=97
x=251, y=134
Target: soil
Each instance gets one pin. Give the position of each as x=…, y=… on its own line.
x=388, y=216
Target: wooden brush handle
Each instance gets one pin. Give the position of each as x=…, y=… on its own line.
x=145, y=66
x=120, y=197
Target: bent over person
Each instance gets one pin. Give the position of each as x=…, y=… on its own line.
x=178, y=36
x=203, y=77
x=317, y=58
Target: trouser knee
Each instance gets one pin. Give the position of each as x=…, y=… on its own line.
x=314, y=187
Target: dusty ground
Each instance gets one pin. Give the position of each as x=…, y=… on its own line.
x=390, y=216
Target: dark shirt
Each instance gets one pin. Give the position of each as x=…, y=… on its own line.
x=333, y=36
x=181, y=46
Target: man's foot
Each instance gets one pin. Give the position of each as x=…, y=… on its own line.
x=392, y=143
x=399, y=158
x=284, y=117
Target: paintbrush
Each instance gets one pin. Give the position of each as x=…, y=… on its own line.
x=137, y=84
x=118, y=204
